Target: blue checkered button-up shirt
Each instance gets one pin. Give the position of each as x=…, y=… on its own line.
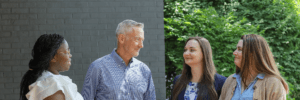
x=108, y=78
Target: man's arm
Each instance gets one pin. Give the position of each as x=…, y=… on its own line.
x=150, y=93
x=90, y=83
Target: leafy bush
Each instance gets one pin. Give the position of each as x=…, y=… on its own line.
x=277, y=21
x=189, y=21
x=280, y=22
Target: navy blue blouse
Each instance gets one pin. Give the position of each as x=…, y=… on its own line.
x=219, y=81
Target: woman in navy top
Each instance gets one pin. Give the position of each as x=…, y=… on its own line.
x=198, y=80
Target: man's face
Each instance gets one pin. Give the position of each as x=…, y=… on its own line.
x=134, y=41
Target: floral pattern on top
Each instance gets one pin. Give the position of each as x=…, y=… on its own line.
x=191, y=91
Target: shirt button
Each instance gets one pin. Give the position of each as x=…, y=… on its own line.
x=128, y=93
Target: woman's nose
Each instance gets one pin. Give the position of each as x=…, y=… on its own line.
x=234, y=53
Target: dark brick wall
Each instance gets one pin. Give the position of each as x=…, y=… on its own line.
x=88, y=26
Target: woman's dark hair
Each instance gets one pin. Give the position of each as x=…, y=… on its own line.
x=43, y=51
x=256, y=52
x=206, y=90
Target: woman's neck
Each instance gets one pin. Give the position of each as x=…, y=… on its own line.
x=53, y=69
x=197, y=73
x=251, y=76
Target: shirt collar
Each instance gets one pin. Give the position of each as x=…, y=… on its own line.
x=236, y=75
x=118, y=59
x=260, y=75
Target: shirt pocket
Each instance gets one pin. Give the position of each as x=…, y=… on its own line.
x=139, y=86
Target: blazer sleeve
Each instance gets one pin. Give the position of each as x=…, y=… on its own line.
x=225, y=87
x=219, y=82
x=174, y=82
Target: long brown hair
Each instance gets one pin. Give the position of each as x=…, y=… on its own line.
x=256, y=52
x=207, y=81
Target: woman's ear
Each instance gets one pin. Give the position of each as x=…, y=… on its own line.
x=53, y=59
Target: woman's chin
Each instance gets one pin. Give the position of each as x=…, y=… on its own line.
x=188, y=63
x=66, y=69
x=237, y=66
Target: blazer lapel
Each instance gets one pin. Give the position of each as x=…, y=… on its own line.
x=181, y=95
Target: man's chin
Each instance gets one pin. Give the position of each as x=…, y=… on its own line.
x=135, y=55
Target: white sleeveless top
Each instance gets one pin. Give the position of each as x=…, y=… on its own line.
x=48, y=84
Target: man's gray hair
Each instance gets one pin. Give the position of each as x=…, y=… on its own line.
x=127, y=25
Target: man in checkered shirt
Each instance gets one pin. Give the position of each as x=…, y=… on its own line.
x=118, y=75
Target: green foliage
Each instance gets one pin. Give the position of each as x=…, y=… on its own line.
x=276, y=20
x=280, y=22
x=187, y=21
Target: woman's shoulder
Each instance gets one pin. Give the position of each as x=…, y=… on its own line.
x=44, y=87
x=176, y=78
x=50, y=78
x=272, y=80
x=273, y=84
x=220, y=77
x=219, y=81
x=229, y=79
x=45, y=75
x=49, y=84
